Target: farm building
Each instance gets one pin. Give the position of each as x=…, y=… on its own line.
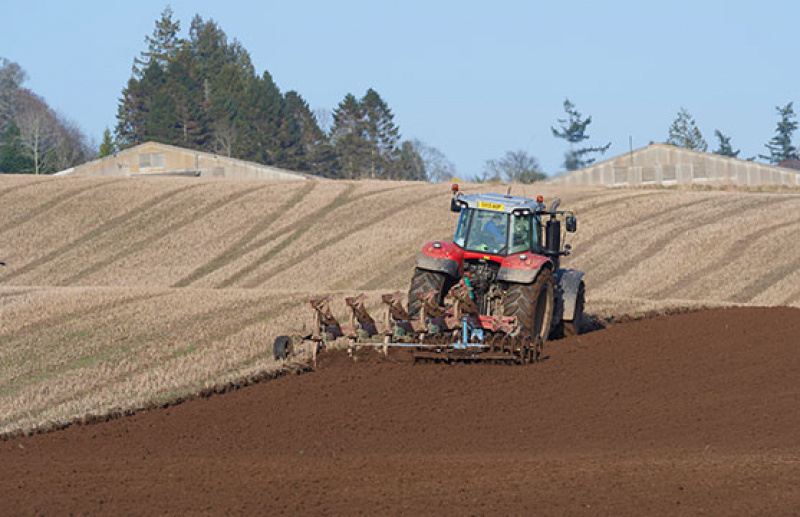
x=155, y=159
x=662, y=164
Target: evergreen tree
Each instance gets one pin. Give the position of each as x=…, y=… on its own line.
x=161, y=124
x=349, y=138
x=684, y=133
x=381, y=134
x=131, y=115
x=573, y=130
x=725, y=148
x=187, y=91
x=262, y=123
x=107, y=147
x=202, y=92
x=780, y=146
x=162, y=45
x=13, y=158
x=318, y=156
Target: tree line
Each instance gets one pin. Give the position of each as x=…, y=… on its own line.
x=684, y=133
x=34, y=139
x=202, y=92
x=522, y=167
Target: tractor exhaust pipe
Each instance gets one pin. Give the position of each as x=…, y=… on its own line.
x=553, y=236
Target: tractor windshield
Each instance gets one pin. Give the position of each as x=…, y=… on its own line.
x=483, y=230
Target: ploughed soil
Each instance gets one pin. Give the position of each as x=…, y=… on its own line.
x=688, y=414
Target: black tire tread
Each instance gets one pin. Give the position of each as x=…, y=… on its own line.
x=423, y=281
x=521, y=302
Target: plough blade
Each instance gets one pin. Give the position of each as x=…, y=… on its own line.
x=456, y=331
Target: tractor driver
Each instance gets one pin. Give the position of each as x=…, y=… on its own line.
x=492, y=237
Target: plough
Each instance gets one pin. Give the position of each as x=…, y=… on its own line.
x=454, y=332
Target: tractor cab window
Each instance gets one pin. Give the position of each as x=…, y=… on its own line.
x=520, y=234
x=483, y=230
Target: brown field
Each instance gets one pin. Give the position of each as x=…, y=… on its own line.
x=691, y=414
x=123, y=291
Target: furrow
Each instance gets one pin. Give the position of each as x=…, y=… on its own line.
x=238, y=248
x=738, y=248
x=676, y=232
x=51, y=204
x=653, y=219
x=93, y=234
x=27, y=184
x=371, y=221
x=304, y=225
x=770, y=277
x=192, y=217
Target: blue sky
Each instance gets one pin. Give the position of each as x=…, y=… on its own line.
x=474, y=79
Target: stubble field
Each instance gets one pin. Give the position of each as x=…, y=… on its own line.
x=120, y=292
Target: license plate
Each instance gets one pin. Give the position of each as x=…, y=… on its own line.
x=491, y=206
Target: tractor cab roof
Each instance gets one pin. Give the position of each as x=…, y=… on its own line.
x=498, y=203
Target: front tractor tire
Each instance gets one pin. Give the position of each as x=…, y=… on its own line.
x=532, y=304
x=421, y=282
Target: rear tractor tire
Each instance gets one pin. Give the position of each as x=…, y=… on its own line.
x=532, y=304
x=422, y=282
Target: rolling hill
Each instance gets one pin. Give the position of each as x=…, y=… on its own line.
x=123, y=291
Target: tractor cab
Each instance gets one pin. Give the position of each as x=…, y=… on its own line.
x=493, y=224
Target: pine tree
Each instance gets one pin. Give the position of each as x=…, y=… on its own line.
x=107, y=147
x=349, y=138
x=725, y=148
x=131, y=115
x=262, y=122
x=161, y=124
x=780, y=146
x=381, y=134
x=318, y=156
x=573, y=130
x=162, y=45
x=187, y=91
x=684, y=133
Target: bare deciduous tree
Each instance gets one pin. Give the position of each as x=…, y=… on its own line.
x=436, y=165
x=514, y=166
x=71, y=147
x=37, y=132
x=224, y=137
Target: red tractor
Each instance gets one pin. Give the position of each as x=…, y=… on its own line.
x=496, y=293
x=506, y=249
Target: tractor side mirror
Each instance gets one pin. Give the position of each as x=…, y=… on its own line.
x=572, y=224
x=454, y=205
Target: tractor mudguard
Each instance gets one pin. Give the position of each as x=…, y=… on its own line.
x=449, y=267
x=441, y=256
x=518, y=271
x=569, y=281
